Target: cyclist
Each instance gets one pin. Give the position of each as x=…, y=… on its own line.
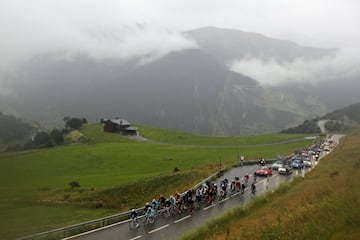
x=198, y=196
x=161, y=201
x=253, y=188
x=232, y=187
x=178, y=203
x=150, y=213
x=204, y=189
x=190, y=202
x=215, y=187
x=223, y=186
x=211, y=194
x=243, y=188
x=172, y=201
x=246, y=178
x=147, y=205
x=237, y=184
x=262, y=161
x=134, y=215
x=134, y=223
x=155, y=204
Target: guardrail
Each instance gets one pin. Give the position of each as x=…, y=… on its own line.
x=72, y=230
x=76, y=229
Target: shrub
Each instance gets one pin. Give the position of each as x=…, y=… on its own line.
x=74, y=184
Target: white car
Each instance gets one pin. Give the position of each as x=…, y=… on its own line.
x=307, y=163
x=285, y=169
x=277, y=164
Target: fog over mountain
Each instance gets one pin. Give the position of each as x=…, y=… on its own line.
x=159, y=64
x=193, y=90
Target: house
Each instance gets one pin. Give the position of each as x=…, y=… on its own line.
x=118, y=126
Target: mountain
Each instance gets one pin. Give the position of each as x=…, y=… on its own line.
x=184, y=90
x=227, y=45
x=332, y=94
x=191, y=90
x=352, y=113
x=326, y=93
x=346, y=119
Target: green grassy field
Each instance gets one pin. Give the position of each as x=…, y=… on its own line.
x=176, y=137
x=324, y=205
x=108, y=165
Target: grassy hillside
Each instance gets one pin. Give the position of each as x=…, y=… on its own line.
x=35, y=190
x=177, y=137
x=325, y=205
x=344, y=120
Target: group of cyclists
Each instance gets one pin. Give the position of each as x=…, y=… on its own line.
x=191, y=199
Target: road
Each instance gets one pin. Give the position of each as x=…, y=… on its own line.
x=174, y=227
x=321, y=125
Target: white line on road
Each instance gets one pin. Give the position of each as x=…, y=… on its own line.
x=224, y=200
x=213, y=205
x=181, y=219
x=134, y=238
x=159, y=228
x=235, y=194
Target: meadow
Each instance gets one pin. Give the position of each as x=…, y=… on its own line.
x=324, y=205
x=36, y=195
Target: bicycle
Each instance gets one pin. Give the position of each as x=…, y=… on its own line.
x=222, y=195
x=134, y=223
x=243, y=188
x=253, y=189
x=166, y=212
x=148, y=220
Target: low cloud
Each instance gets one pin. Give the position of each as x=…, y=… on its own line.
x=270, y=73
x=93, y=28
x=65, y=29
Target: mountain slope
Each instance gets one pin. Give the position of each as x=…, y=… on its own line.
x=324, y=79
x=185, y=90
x=226, y=45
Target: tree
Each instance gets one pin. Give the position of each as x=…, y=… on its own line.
x=42, y=140
x=72, y=123
x=56, y=137
x=333, y=126
x=306, y=127
x=13, y=129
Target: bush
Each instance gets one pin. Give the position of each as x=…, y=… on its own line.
x=42, y=140
x=74, y=184
x=73, y=123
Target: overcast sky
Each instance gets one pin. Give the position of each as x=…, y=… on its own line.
x=127, y=28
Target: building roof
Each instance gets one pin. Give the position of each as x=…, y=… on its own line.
x=120, y=122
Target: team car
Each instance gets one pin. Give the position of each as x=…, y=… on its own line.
x=307, y=163
x=285, y=169
x=276, y=164
x=297, y=163
x=264, y=171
